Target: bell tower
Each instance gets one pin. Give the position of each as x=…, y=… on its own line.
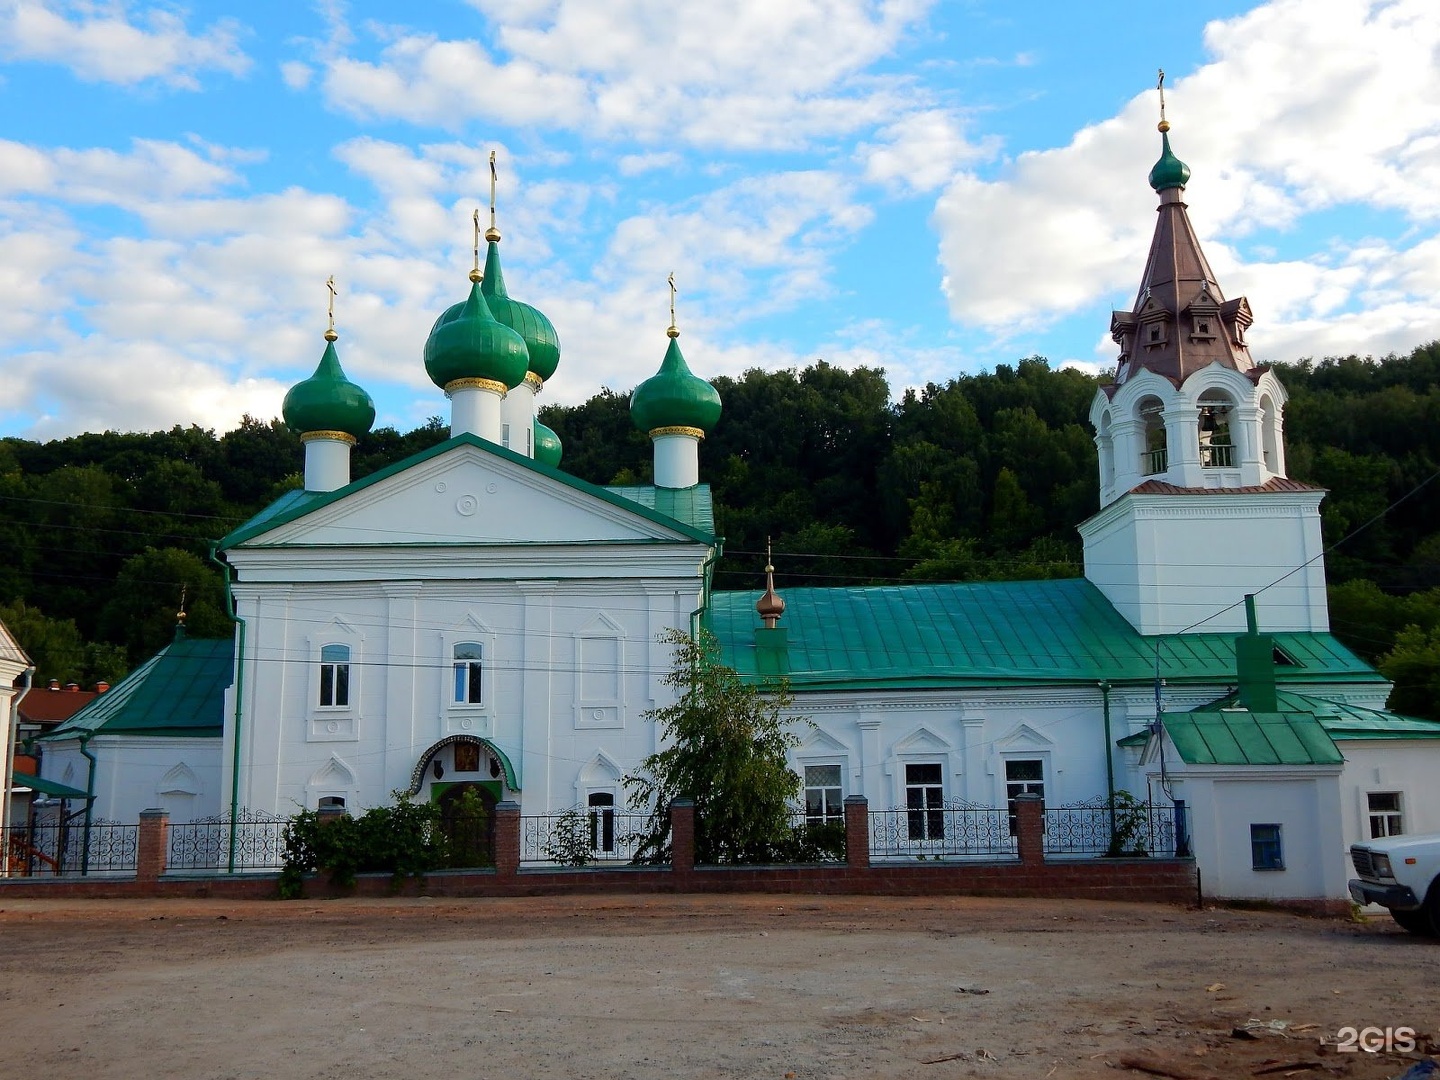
x=1196, y=508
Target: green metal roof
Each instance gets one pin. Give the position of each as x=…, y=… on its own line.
x=1343, y=721
x=180, y=691
x=1242, y=737
x=47, y=787
x=296, y=504
x=691, y=505
x=992, y=634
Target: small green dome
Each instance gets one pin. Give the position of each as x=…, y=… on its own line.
x=328, y=401
x=674, y=397
x=1169, y=171
x=467, y=343
x=547, y=446
x=530, y=324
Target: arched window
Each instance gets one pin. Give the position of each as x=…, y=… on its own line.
x=1217, y=444
x=602, y=820
x=469, y=674
x=334, y=676
x=1154, y=456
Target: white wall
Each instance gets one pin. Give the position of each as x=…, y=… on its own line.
x=135, y=773
x=1409, y=766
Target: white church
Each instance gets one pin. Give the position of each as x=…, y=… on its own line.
x=474, y=618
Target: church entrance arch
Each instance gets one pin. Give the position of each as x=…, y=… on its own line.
x=465, y=776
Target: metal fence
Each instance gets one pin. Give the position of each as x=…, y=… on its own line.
x=57, y=848
x=582, y=836
x=205, y=844
x=942, y=832
x=1131, y=829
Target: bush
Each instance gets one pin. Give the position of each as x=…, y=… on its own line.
x=404, y=839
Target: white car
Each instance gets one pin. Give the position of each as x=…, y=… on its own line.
x=1403, y=874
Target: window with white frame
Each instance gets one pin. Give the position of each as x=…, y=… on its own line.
x=469, y=673
x=1385, y=820
x=1023, y=776
x=601, y=810
x=824, y=800
x=334, y=676
x=925, y=799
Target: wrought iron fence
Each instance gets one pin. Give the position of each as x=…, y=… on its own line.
x=70, y=848
x=205, y=844
x=582, y=836
x=1092, y=828
x=954, y=830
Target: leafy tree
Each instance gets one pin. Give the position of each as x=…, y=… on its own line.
x=142, y=613
x=1414, y=666
x=58, y=650
x=726, y=745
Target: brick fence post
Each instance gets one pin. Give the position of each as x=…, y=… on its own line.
x=507, y=838
x=857, y=832
x=682, y=836
x=152, y=845
x=1030, y=829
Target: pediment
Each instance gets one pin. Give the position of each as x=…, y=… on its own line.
x=1022, y=737
x=921, y=740
x=467, y=494
x=181, y=780
x=823, y=742
x=334, y=773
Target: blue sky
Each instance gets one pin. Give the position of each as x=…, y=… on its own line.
x=931, y=186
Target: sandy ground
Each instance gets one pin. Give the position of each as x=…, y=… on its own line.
x=650, y=987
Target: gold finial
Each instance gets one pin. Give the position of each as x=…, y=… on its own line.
x=475, y=274
x=770, y=606
x=673, y=330
x=1164, y=124
x=180, y=615
x=492, y=234
x=330, y=334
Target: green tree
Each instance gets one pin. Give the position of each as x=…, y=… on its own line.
x=148, y=593
x=1414, y=666
x=726, y=743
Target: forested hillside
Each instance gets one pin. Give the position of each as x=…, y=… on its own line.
x=985, y=476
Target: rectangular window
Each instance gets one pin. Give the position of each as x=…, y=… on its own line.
x=602, y=821
x=1384, y=814
x=469, y=674
x=335, y=676
x=823, y=799
x=924, y=799
x=505, y=436
x=1023, y=776
x=1265, y=850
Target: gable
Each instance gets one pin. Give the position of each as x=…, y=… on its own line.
x=464, y=492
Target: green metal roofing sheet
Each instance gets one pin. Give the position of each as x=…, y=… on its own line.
x=1242, y=737
x=296, y=504
x=47, y=787
x=180, y=691
x=1343, y=721
x=991, y=634
x=691, y=505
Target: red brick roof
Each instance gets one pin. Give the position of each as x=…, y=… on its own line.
x=1279, y=483
x=45, y=706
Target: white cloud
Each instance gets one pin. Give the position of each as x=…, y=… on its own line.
x=1300, y=110
x=920, y=152
x=635, y=164
x=297, y=76
x=110, y=44
x=735, y=73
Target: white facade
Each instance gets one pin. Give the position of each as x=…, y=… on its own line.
x=137, y=772
x=468, y=599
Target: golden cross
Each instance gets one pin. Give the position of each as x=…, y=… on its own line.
x=671, y=281
x=330, y=312
x=476, y=269
x=1160, y=85
x=492, y=189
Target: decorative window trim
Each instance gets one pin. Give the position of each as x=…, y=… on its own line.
x=334, y=723
x=828, y=813
x=465, y=717
x=1384, y=820
x=600, y=711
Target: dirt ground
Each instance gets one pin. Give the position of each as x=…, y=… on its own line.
x=695, y=986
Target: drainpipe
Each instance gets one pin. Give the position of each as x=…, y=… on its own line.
x=707, y=573
x=239, y=696
x=89, y=800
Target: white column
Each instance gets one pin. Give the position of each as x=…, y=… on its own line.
x=677, y=457
x=403, y=738
x=475, y=408
x=327, y=459
x=518, y=413
x=536, y=728
x=1245, y=433
x=1126, y=448
x=1182, y=445
x=872, y=776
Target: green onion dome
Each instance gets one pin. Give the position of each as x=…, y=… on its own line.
x=467, y=343
x=674, y=397
x=1169, y=171
x=530, y=324
x=547, y=446
x=328, y=401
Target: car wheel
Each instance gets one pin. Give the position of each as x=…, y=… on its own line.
x=1417, y=921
